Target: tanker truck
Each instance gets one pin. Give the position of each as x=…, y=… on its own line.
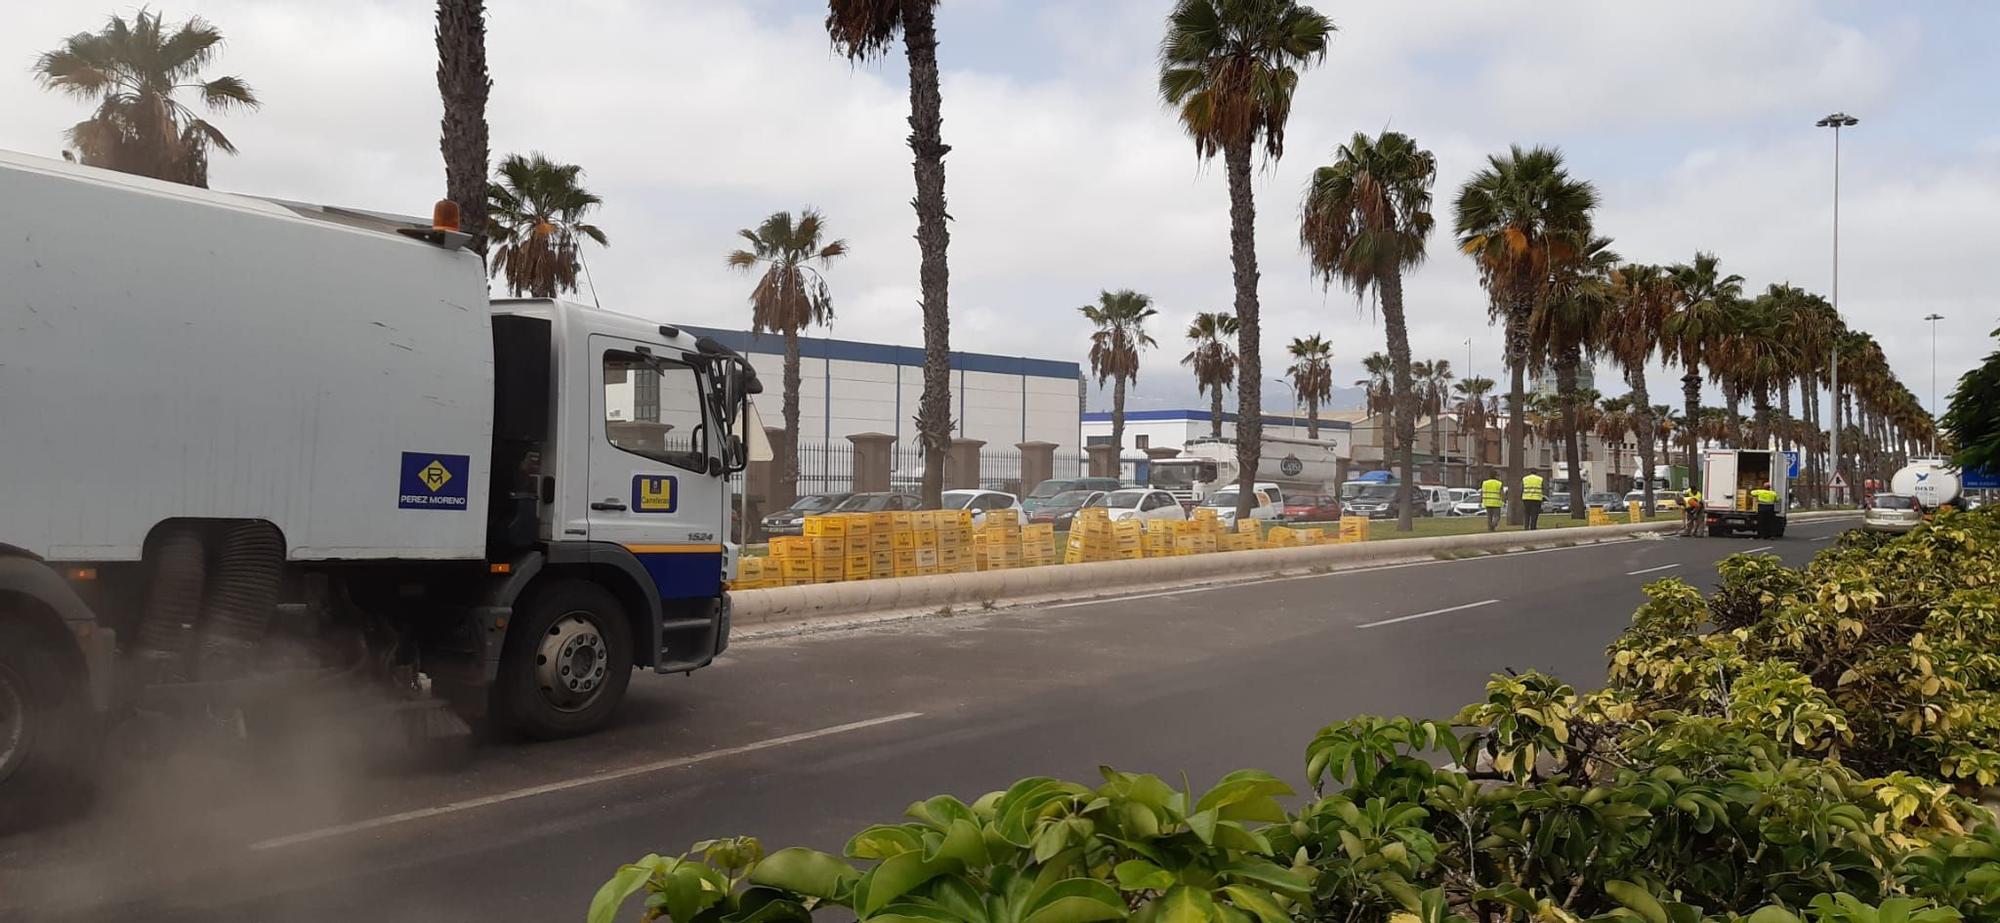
x=269, y=465
x=1930, y=480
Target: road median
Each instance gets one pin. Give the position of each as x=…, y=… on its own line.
x=825, y=601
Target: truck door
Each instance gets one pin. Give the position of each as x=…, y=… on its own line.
x=651, y=458
x=1718, y=480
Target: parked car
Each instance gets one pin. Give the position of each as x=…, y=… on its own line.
x=1556, y=502
x=1466, y=501
x=792, y=519
x=1375, y=501
x=985, y=503
x=879, y=502
x=1269, y=501
x=1052, y=488
x=1433, y=500
x=1141, y=503
x=1892, y=513
x=1663, y=501
x=1061, y=508
x=1310, y=508
x=1610, y=502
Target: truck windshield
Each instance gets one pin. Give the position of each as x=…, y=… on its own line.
x=1376, y=492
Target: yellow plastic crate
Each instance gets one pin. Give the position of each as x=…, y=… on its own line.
x=784, y=546
x=829, y=569
x=902, y=520
x=829, y=546
x=796, y=568
x=858, y=564
x=903, y=540
x=825, y=525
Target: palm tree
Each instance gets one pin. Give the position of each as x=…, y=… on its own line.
x=132, y=70
x=1642, y=298
x=1229, y=69
x=1434, y=394
x=1615, y=421
x=1475, y=410
x=863, y=29
x=1701, y=305
x=790, y=296
x=1515, y=218
x=1312, y=376
x=537, y=209
x=1758, y=354
x=1120, y=317
x=463, y=84
x=1379, y=398
x=1213, y=360
x=1568, y=323
x=1364, y=220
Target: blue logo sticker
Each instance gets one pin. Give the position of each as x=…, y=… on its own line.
x=654, y=493
x=432, y=481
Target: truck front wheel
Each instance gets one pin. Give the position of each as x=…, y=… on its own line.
x=566, y=661
x=46, y=731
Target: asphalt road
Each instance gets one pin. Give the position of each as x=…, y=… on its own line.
x=803, y=740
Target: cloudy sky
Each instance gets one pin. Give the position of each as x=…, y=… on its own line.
x=696, y=117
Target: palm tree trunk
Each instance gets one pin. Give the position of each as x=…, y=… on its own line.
x=1572, y=439
x=1404, y=394
x=1215, y=411
x=1785, y=414
x=1732, y=398
x=463, y=83
x=1117, y=418
x=1760, y=408
x=1312, y=416
x=1643, y=427
x=1249, y=339
x=1691, y=393
x=788, y=473
x=933, y=237
x=1517, y=401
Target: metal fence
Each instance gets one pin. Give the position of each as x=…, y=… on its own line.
x=829, y=468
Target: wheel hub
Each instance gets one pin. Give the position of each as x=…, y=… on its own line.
x=13, y=722
x=571, y=662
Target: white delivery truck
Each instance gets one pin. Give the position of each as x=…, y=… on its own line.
x=1727, y=478
x=255, y=451
x=1296, y=465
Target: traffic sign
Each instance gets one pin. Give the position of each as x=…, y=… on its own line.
x=1791, y=463
x=1980, y=479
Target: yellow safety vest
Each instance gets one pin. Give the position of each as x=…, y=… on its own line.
x=1531, y=487
x=1765, y=496
x=1490, y=494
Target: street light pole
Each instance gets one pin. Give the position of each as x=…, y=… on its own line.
x=1836, y=121
x=1295, y=403
x=1934, y=318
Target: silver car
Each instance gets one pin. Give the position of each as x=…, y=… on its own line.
x=1892, y=513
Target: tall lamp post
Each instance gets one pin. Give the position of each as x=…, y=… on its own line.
x=1934, y=318
x=1295, y=403
x=1836, y=121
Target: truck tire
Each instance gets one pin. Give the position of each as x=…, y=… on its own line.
x=566, y=662
x=48, y=732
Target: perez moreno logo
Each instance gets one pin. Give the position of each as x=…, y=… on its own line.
x=432, y=481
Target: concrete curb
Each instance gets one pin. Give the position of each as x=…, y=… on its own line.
x=829, y=600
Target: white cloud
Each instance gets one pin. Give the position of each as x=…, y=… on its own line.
x=696, y=118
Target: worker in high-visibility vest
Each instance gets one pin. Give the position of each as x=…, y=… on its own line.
x=1493, y=499
x=1767, y=510
x=1691, y=512
x=1531, y=499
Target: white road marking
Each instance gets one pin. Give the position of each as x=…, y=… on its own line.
x=1825, y=538
x=1425, y=615
x=1120, y=599
x=1648, y=570
x=568, y=784
x=1755, y=550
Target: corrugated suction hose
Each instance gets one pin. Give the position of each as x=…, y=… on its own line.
x=241, y=599
x=173, y=600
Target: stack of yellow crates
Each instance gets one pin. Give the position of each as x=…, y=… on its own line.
x=754, y=573
x=903, y=543
x=1246, y=537
x=826, y=536
x=1159, y=541
x=1128, y=540
x=954, y=529
x=1038, y=544
x=924, y=523
x=881, y=545
x=1090, y=537
x=792, y=554
x=999, y=542
x=1598, y=517
x=1353, y=528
